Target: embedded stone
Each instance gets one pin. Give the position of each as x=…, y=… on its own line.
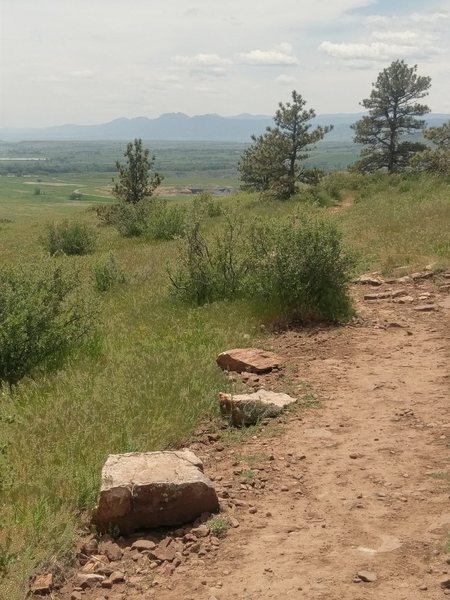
x=369, y=280
x=248, y=409
x=142, y=490
x=42, y=584
x=251, y=360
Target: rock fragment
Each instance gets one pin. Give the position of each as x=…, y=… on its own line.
x=421, y=275
x=399, y=293
x=112, y=551
x=251, y=360
x=367, y=576
x=378, y=296
x=248, y=409
x=369, y=280
x=425, y=307
x=42, y=584
x=87, y=580
x=142, y=545
x=404, y=300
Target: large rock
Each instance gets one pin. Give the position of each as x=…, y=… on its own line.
x=251, y=360
x=369, y=280
x=248, y=409
x=142, y=490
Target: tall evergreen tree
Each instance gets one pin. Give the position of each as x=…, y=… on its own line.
x=274, y=161
x=393, y=109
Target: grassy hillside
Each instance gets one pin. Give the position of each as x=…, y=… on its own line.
x=149, y=375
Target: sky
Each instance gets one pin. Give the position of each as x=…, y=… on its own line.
x=90, y=61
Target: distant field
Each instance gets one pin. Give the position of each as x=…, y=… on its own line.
x=36, y=175
x=190, y=161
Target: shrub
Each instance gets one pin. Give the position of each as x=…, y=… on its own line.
x=41, y=318
x=107, y=213
x=205, y=205
x=69, y=238
x=76, y=196
x=132, y=219
x=218, y=526
x=293, y=269
x=38, y=192
x=211, y=270
x=166, y=222
x=316, y=197
x=214, y=209
x=299, y=269
x=108, y=274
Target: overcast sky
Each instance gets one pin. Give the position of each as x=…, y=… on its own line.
x=90, y=61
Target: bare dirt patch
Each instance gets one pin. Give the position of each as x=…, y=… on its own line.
x=357, y=484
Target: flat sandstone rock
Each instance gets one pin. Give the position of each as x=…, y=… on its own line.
x=247, y=409
x=142, y=490
x=251, y=360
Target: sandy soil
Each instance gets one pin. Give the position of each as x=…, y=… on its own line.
x=359, y=482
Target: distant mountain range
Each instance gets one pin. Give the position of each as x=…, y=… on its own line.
x=181, y=127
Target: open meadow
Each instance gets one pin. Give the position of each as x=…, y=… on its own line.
x=147, y=376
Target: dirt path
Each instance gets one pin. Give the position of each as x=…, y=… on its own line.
x=360, y=482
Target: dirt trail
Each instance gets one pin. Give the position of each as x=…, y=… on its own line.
x=360, y=482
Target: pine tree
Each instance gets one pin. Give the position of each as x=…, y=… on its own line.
x=435, y=159
x=393, y=109
x=136, y=178
x=273, y=162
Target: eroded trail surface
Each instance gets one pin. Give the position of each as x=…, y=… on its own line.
x=359, y=482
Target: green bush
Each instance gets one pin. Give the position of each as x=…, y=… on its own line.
x=166, y=222
x=76, y=196
x=205, y=205
x=108, y=274
x=211, y=270
x=300, y=270
x=294, y=269
x=316, y=197
x=107, y=213
x=132, y=220
x=42, y=317
x=69, y=238
x=214, y=209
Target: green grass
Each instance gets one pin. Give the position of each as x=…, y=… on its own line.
x=143, y=387
x=403, y=221
x=150, y=376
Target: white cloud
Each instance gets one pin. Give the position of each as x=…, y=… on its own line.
x=47, y=78
x=372, y=51
x=416, y=36
x=436, y=17
x=285, y=79
x=405, y=36
x=83, y=74
x=202, y=60
x=208, y=72
x=415, y=22
x=280, y=55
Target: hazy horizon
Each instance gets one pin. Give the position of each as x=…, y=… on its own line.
x=92, y=62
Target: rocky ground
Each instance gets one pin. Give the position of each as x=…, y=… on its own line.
x=343, y=498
